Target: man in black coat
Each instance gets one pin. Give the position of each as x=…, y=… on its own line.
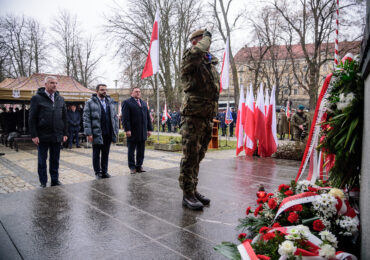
x=48, y=128
x=137, y=125
x=74, y=120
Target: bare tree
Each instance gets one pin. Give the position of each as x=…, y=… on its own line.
x=66, y=30
x=130, y=29
x=78, y=57
x=225, y=27
x=311, y=24
x=23, y=46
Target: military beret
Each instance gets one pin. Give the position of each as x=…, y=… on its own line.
x=196, y=34
x=301, y=107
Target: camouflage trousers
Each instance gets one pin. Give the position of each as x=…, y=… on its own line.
x=196, y=135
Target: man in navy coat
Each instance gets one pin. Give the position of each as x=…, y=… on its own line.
x=138, y=126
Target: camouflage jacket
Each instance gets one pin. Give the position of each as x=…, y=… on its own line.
x=298, y=120
x=200, y=81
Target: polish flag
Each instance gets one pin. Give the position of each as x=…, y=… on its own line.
x=152, y=60
x=271, y=136
x=288, y=109
x=249, y=125
x=165, y=114
x=239, y=132
x=224, y=78
x=260, y=125
x=266, y=101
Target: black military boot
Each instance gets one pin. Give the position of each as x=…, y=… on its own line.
x=190, y=201
x=202, y=198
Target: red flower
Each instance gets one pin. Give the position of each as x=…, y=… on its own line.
x=293, y=217
x=297, y=207
x=270, y=194
x=268, y=236
x=263, y=257
x=312, y=189
x=275, y=225
x=259, y=201
x=248, y=210
x=242, y=236
x=288, y=193
x=263, y=230
x=283, y=187
x=258, y=210
x=272, y=203
x=318, y=225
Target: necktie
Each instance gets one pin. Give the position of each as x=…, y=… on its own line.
x=138, y=101
x=51, y=97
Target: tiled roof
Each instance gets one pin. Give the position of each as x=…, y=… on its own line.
x=65, y=83
x=246, y=54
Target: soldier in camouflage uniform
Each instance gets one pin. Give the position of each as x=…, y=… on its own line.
x=200, y=82
x=299, y=124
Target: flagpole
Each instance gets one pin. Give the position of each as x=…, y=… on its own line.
x=227, y=113
x=156, y=85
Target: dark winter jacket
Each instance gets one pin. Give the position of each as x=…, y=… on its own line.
x=48, y=120
x=92, y=118
x=136, y=119
x=74, y=119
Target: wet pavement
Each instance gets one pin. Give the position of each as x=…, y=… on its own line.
x=134, y=216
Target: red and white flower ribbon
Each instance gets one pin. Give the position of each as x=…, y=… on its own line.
x=313, y=137
x=305, y=197
x=246, y=251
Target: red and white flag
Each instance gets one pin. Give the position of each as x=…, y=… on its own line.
x=260, y=127
x=165, y=114
x=239, y=132
x=267, y=101
x=288, y=109
x=249, y=125
x=224, y=78
x=271, y=136
x=152, y=60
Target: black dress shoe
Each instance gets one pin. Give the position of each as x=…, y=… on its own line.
x=105, y=175
x=55, y=183
x=78, y=146
x=205, y=201
x=192, y=202
x=140, y=169
x=132, y=171
x=42, y=185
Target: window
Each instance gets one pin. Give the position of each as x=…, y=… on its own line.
x=286, y=91
x=295, y=91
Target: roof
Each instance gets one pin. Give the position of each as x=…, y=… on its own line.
x=35, y=81
x=246, y=54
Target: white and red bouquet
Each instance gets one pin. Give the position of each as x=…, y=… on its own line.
x=297, y=220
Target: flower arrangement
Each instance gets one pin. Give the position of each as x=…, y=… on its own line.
x=297, y=220
x=342, y=125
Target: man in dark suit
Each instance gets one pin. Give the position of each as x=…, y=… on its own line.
x=48, y=128
x=138, y=126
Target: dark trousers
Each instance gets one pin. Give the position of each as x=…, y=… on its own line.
x=101, y=154
x=169, y=127
x=54, y=151
x=73, y=134
x=231, y=130
x=140, y=148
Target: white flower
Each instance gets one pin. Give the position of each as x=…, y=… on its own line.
x=287, y=248
x=345, y=100
x=327, y=251
x=337, y=193
x=296, y=236
x=325, y=205
x=327, y=236
x=349, y=225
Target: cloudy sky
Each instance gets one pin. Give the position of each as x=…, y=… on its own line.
x=90, y=13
